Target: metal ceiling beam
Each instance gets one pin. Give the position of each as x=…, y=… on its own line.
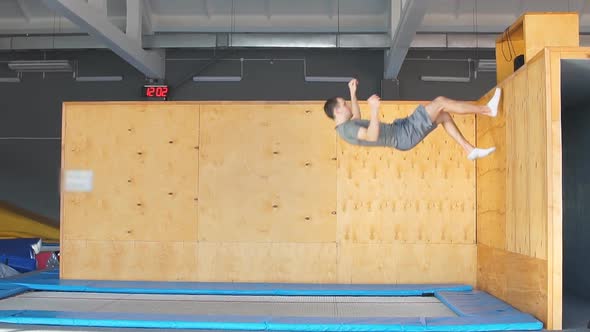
x=24, y=9
x=457, y=9
x=459, y=40
x=100, y=5
x=151, y=63
x=210, y=40
x=134, y=28
x=267, y=9
x=332, y=8
x=410, y=18
x=207, y=9
x=148, y=28
x=583, y=8
x=205, y=40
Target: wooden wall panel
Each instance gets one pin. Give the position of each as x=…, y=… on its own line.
x=426, y=195
x=268, y=262
x=530, y=34
x=280, y=197
x=550, y=29
x=519, y=144
x=512, y=184
x=518, y=279
x=537, y=168
x=554, y=187
x=145, y=163
x=553, y=57
x=506, y=52
x=520, y=249
x=143, y=205
x=491, y=176
x=128, y=260
x=268, y=174
x=407, y=263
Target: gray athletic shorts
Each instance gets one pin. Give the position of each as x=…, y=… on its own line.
x=413, y=129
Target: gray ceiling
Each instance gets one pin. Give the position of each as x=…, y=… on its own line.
x=139, y=30
x=32, y=16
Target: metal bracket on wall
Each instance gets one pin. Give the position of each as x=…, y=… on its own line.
x=330, y=79
x=11, y=79
x=451, y=79
x=222, y=78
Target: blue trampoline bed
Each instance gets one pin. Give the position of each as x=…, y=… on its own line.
x=43, y=299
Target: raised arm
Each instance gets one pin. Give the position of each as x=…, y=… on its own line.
x=356, y=110
x=371, y=133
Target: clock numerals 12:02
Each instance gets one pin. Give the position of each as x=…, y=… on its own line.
x=156, y=92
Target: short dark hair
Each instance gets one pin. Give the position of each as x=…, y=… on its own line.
x=330, y=105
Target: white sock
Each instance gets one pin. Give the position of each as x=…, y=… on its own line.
x=480, y=153
x=494, y=102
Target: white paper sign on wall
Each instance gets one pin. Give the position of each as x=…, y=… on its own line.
x=80, y=181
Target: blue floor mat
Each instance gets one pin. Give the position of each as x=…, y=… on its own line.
x=476, y=311
x=260, y=323
x=49, y=281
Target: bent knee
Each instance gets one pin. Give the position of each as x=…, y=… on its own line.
x=437, y=105
x=443, y=117
x=440, y=100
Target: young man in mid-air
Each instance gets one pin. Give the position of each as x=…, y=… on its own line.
x=404, y=134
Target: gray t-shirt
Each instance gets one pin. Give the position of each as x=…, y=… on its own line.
x=349, y=131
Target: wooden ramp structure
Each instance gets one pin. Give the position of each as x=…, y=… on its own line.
x=519, y=190
x=266, y=192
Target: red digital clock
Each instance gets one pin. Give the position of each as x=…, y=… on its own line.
x=156, y=91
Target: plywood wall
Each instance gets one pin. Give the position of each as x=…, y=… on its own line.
x=267, y=193
x=516, y=193
x=235, y=191
x=418, y=207
x=139, y=221
x=530, y=34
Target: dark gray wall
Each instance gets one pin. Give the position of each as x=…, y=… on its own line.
x=575, y=127
x=412, y=88
x=575, y=123
x=29, y=168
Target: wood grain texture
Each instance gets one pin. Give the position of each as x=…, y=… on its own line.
x=537, y=163
x=268, y=174
x=526, y=140
x=517, y=279
x=552, y=58
x=555, y=191
x=128, y=260
x=145, y=163
x=533, y=221
x=532, y=32
x=542, y=30
x=506, y=52
x=512, y=183
x=406, y=263
x=275, y=189
x=491, y=175
x=426, y=195
x=268, y=262
x=143, y=208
